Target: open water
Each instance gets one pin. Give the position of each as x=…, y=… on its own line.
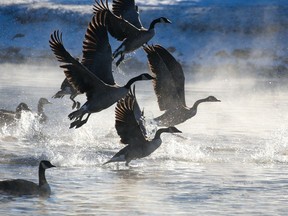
x=231, y=158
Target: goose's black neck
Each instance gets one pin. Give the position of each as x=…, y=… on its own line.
x=153, y=23
x=195, y=106
x=160, y=131
x=40, y=108
x=42, y=178
x=131, y=81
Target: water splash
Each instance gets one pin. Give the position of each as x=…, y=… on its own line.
x=275, y=149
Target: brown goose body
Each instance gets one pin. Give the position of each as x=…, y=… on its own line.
x=169, y=87
x=23, y=187
x=97, y=58
x=124, y=24
x=42, y=116
x=8, y=117
x=130, y=127
x=100, y=95
x=68, y=89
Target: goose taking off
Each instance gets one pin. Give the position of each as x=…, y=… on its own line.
x=8, y=117
x=130, y=128
x=100, y=95
x=68, y=89
x=123, y=23
x=97, y=58
x=23, y=187
x=42, y=116
x=169, y=87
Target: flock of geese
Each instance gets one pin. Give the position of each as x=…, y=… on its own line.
x=8, y=117
x=93, y=76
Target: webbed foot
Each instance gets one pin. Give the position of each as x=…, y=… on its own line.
x=74, y=124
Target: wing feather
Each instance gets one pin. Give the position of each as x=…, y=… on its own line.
x=127, y=10
x=77, y=74
x=164, y=85
x=129, y=120
x=176, y=71
x=97, y=54
x=117, y=26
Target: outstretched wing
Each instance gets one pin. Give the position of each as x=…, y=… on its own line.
x=175, y=69
x=77, y=74
x=118, y=27
x=127, y=10
x=97, y=54
x=169, y=82
x=129, y=120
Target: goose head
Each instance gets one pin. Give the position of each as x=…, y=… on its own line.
x=164, y=20
x=44, y=101
x=173, y=130
x=22, y=106
x=159, y=20
x=46, y=164
x=212, y=99
x=146, y=76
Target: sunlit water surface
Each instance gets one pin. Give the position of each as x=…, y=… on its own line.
x=230, y=159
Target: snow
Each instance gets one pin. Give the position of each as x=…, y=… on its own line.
x=205, y=35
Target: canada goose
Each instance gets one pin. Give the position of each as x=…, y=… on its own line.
x=130, y=128
x=68, y=89
x=97, y=58
x=8, y=117
x=123, y=23
x=24, y=187
x=100, y=95
x=169, y=87
x=42, y=116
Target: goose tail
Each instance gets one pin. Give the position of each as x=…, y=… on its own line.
x=120, y=158
x=109, y=161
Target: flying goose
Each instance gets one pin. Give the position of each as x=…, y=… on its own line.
x=100, y=95
x=169, y=87
x=68, y=89
x=123, y=23
x=24, y=187
x=8, y=117
x=97, y=58
x=130, y=127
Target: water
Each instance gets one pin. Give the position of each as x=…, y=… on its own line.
x=230, y=159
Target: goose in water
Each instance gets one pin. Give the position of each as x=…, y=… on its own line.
x=130, y=127
x=96, y=58
x=169, y=87
x=8, y=117
x=68, y=89
x=100, y=95
x=23, y=187
x=42, y=116
x=123, y=23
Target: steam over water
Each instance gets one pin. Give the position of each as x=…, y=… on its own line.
x=231, y=157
